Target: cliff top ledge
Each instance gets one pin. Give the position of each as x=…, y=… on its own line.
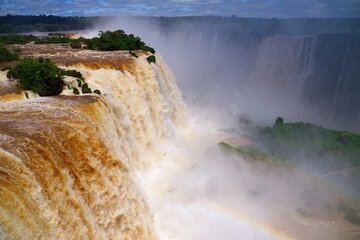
x=64, y=55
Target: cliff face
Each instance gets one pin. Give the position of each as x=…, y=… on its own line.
x=67, y=161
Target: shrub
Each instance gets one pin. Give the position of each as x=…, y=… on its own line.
x=148, y=49
x=80, y=82
x=97, y=91
x=72, y=73
x=85, y=88
x=151, y=59
x=133, y=54
x=76, y=91
x=41, y=76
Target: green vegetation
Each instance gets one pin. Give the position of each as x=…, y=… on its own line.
x=85, y=88
x=133, y=54
x=238, y=25
x=72, y=73
x=76, y=91
x=22, y=39
x=80, y=82
x=151, y=59
x=41, y=76
x=107, y=41
x=333, y=155
x=117, y=40
x=6, y=55
x=287, y=139
x=17, y=39
x=336, y=153
x=43, y=23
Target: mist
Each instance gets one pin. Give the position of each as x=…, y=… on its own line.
x=228, y=62
x=198, y=191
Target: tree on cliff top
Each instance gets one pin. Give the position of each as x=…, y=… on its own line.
x=117, y=40
x=40, y=75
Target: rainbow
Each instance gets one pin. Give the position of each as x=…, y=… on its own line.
x=258, y=230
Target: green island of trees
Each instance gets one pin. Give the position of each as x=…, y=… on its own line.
x=333, y=155
x=290, y=144
x=318, y=142
x=43, y=77
x=329, y=148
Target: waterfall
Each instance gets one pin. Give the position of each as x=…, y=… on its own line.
x=68, y=162
x=317, y=72
x=144, y=98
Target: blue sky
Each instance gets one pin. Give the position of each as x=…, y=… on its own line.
x=248, y=8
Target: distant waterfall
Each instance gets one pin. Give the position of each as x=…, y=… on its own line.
x=320, y=70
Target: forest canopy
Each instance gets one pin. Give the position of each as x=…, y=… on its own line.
x=43, y=23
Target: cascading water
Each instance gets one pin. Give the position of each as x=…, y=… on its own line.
x=145, y=100
x=61, y=173
x=67, y=162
